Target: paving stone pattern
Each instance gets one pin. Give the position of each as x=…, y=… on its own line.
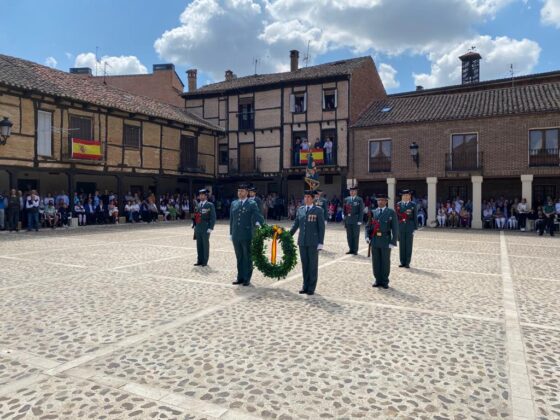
x=116, y=322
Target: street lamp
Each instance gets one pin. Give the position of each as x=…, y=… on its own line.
x=414, y=153
x=5, y=130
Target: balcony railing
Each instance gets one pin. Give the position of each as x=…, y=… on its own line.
x=544, y=157
x=380, y=164
x=244, y=166
x=463, y=161
x=193, y=167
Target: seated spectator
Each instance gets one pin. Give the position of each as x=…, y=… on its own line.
x=549, y=211
x=163, y=210
x=50, y=219
x=499, y=218
x=512, y=222
x=153, y=210
x=90, y=211
x=488, y=217
x=541, y=221
x=172, y=211
x=80, y=213
x=421, y=217
x=453, y=219
x=64, y=214
x=101, y=213
x=135, y=211
x=332, y=211
x=113, y=211
x=128, y=211
x=442, y=216
x=465, y=218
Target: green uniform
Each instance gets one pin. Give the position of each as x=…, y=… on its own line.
x=386, y=235
x=258, y=201
x=243, y=217
x=407, y=228
x=206, y=215
x=353, y=216
x=322, y=203
x=311, y=225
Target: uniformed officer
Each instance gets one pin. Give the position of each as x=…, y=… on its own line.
x=382, y=231
x=353, y=216
x=204, y=220
x=311, y=224
x=321, y=202
x=253, y=196
x=407, y=214
x=243, y=217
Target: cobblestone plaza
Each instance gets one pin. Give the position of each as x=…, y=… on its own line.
x=116, y=322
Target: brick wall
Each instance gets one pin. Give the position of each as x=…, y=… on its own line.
x=365, y=86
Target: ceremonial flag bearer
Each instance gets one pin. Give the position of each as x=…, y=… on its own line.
x=311, y=224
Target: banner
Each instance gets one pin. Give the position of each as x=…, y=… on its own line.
x=86, y=149
x=318, y=156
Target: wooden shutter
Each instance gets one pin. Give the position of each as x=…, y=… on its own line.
x=324, y=100
x=305, y=102
x=44, y=133
x=336, y=98
x=292, y=103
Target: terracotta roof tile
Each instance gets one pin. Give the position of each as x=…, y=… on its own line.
x=23, y=74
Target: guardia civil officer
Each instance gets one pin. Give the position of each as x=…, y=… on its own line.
x=253, y=196
x=382, y=231
x=353, y=214
x=407, y=214
x=321, y=202
x=244, y=216
x=204, y=220
x=311, y=224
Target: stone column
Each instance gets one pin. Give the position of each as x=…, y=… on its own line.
x=477, y=202
x=391, y=191
x=527, y=188
x=432, y=200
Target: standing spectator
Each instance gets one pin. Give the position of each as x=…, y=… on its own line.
x=318, y=144
x=62, y=198
x=2, y=210
x=96, y=200
x=32, y=207
x=328, y=146
x=550, y=213
x=13, y=211
x=305, y=145
x=523, y=211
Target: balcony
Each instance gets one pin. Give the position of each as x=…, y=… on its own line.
x=463, y=161
x=544, y=157
x=380, y=164
x=245, y=166
x=192, y=167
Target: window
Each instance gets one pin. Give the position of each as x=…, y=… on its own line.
x=543, y=147
x=464, y=154
x=380, y=155
x=80, y=128
x=329, y=100
x=464, y=143
x=44, y=133
x=132, y=135
x=189, y=152
x=224, y=154
x=298, y=102
x=300, y=143
x=246, y=114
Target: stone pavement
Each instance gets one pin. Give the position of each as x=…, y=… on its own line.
x=115, y=322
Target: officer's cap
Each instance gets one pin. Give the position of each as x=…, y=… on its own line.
x=309, y=192
x=203, y=191
x=243, y=187
x=318, y=191
x=406, y=192
x=252, y=188
x=353, y=188
x=381, y=196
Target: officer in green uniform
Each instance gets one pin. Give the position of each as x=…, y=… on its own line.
x=205, y=218
x=353, y=215
x=253, y=196
x=243, y=217
x=382, y=231
x=321, y=202
x=407, y=214
x=550, y=214
x=311, y=224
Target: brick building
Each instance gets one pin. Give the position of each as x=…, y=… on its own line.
x=477, y=140
x=264, y=116
x=144, y=144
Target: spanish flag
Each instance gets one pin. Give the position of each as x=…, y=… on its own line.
x=86, y=149
x=318, y=156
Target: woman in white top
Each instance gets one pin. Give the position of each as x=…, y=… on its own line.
x=523, y=211
x=442, y=216
x=164, y=211
x=80, y=212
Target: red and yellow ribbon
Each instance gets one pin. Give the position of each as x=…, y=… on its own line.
x=274, y=248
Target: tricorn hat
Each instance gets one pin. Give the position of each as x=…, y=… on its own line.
x=203, y=191
x=382, y=196
x=353, y=188
x=406, y=192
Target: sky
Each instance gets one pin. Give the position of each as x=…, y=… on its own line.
x=413, y=42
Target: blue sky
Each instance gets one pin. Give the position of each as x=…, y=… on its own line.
x=412, y=41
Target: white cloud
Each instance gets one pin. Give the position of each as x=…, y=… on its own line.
x=214, y=35
x=69, y=56
x=550, y=13
x=116, y=65
x=388, y=75
x=497, y=56
x=51, y=62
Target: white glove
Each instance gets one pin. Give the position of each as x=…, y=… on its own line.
x=359, y=223
x=258, y=224
x=320, y=246
x=391, y=246
x=413, y=232
x=209, y=231
x=231, y=237
x=325, y=223
x=368, y=240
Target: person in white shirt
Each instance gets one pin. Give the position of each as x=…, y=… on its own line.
x=328, y=146
x=523, y=211
x=80, y=212
x=32, y=206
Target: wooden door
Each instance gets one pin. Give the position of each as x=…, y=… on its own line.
x=246, y=158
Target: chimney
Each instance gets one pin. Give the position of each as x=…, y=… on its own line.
x=159, y=67
x=229, y=76
x=192, y=79
x=294, y=60
x=84, y=71
x=470, y=68
x=419, y=88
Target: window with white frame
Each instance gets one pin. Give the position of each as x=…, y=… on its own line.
x=44, y=133
x=330, y=100
x=298, y=102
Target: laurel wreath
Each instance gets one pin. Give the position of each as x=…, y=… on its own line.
x=261, y=261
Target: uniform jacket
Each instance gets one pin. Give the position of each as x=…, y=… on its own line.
x=356, y=209
x=411, y=212
x=388, y=228
x=207, y=217
x=243, y=218
x=322, y=203
x=258, y=202
x=311, y=226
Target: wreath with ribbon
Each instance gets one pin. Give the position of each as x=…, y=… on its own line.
x=272, y=268
x=402, y=216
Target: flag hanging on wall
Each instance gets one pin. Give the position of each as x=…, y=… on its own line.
x=317, y=154
x=86, y=149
